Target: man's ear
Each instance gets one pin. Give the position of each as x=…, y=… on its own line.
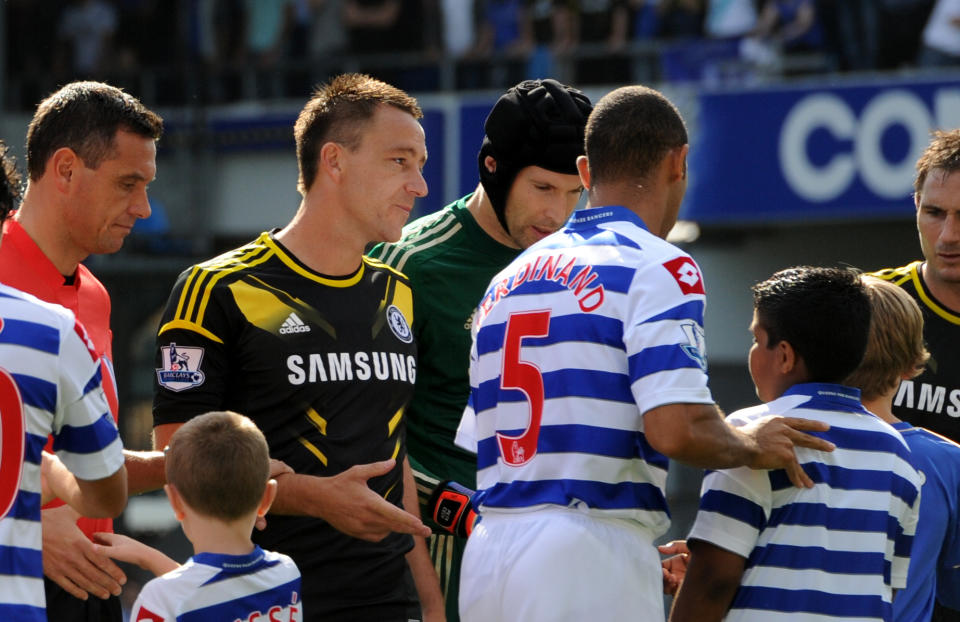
x=269, y=495
x=490, y=163
x=63, y=165
x=331, y=161
x=678, y=162
x=786, y=357
x=583, y=167
x=176, y=501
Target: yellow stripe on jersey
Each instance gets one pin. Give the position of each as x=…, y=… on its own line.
x=313, y=276
x=314, y=450
x=394, y=422
x=898, y=276
x=403, y=300
x=189, y=326
x=396, y=452
x=208, y=288
x=317, y=420
x=931, y=304
x=199, y=286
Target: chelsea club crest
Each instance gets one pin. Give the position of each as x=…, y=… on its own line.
x=398, y=324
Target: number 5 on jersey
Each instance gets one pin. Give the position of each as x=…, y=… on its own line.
x=525, y=376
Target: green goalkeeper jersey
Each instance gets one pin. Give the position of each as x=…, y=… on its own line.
x=450, y=261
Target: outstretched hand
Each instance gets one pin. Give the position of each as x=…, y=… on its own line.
x=674, y=568
x=71, y=560
x=775, y=438
x=347, y=503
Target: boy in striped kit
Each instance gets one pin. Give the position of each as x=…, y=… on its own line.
x=761, y=548
x=50, y=383
x=217, y=469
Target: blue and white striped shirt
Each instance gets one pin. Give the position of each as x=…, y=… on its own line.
x=262, y=585
x=836, y=550
x=50, y=383
x=577, y=338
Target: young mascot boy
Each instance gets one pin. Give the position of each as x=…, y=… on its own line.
x=760, y=547
x=217, y=472
x=896, y=352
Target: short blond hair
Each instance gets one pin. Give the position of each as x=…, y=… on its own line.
x=895, y=347
x=219, y=462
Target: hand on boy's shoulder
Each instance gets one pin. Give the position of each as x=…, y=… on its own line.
x=775, y=437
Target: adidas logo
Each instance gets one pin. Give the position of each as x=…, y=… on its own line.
x=293, y=324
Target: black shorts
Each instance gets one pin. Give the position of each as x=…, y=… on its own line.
x=64, y=607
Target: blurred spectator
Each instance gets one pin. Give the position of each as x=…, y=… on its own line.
x=327, y=39
x=728, y=19
x=146, y=33
x=645, y=18
x=790, y=25
x=371, y=25
x=850, y=32
x=498, y=56
x=941, y=36
x=268, y=28
x=30, y=44
x=784, y=27
x=681, y=18
x=384, y=27
x=86, y=32
x=458, y=27
x=602, y=25
x=216, y=42
x=900, y=26
x=548, y=25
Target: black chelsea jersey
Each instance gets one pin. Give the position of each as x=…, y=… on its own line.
x=324, y=366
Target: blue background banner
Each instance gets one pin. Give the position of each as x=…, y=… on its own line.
x=817, y=155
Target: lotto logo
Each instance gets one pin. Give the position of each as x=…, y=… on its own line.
x=687, y=275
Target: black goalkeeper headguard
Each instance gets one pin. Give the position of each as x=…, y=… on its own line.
x=536, y=123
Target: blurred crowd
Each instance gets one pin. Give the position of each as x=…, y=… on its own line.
x=225, y=50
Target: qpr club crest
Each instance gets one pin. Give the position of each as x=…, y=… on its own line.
x=398, y=324
x=181, y=367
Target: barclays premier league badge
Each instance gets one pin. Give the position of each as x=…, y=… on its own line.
x=181, y=367
x=398, y=324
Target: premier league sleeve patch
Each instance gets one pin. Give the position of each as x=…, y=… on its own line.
x=181, y=367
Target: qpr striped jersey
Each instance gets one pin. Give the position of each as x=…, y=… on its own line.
x=50, y=383
x=834, y=551
x=261, y=586
x=577, y=338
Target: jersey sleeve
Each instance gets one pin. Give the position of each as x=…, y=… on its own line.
x=903, y=542
x=149, y=607
x=85, y=436
x=664, y=337
x=948, y=571
x=192, y=351
x=734, y=506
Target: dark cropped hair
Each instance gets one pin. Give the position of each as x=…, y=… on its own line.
x=943, y=153
x=219, y=463
x=9, y=183
x=824, y=313
x=337, y=112
x=629, y=132
x=85, y=116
